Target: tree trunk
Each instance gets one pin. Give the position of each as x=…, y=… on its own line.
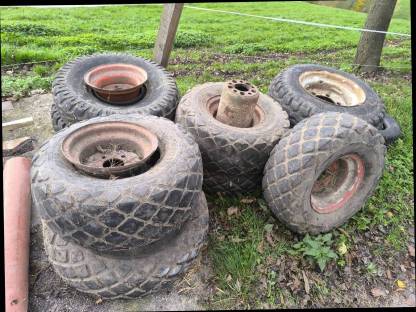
x=370, y=45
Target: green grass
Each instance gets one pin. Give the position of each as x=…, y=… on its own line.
x=216, y=47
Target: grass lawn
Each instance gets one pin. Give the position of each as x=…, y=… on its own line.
x=255, y=259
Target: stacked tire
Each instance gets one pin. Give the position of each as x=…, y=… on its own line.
x=233, y=157
x=323, y=171
x=125, y=237
x=74, y=102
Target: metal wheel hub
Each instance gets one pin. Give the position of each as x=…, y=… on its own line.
x=332, y=88
x=237, y=105
x=337, y=184
x=109, y=149
x=118, y=84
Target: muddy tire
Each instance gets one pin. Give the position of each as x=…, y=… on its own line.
x=114, y=278
x=233, y=157
x=58, y=122
x=122, y=215
x=350, y=147
x=338, y=92
x=75, y=103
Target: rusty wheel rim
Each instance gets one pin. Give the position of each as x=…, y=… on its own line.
x=338, y=183
x=117, y=84
x=332, y=88
x=109, y=149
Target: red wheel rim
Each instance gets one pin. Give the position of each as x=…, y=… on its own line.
x=337, y=184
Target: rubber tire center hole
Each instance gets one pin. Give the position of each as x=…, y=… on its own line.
x=337, y=184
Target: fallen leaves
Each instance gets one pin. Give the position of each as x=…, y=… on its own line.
x=99, y=300
x=401, y=284
x=377, y=292
x=342, y=249
x=411, y=250
x=232, y=210
x=306, y=282
x=247, y=200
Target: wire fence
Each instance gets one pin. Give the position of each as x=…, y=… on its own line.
x=285, y=20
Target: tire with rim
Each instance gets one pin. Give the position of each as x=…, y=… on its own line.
x=305, y=90
x=233, y=157
x=75, y=103
x=323, y=171
x=122, y=215
x=114, y=278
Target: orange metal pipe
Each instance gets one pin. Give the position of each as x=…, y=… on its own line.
x=17, y=205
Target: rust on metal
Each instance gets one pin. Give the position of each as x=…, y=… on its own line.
x=332, y=88
x=117, y=83
x=237, y=103
x=337, y=184
x=109, y=149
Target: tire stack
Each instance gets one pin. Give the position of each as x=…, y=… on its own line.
x=233, y=157
x=323, y=171
x=124, y=237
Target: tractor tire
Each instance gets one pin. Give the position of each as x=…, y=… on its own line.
x=75, y=103
x=305, y=90
x=297, y=175
x=58, y=123
x=233, y=157
x=122, y=215
x=114, y=278
x=390, y=130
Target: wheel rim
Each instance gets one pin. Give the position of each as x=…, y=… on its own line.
x=332, y=88
x=117, y=84
x=109, y=149
x=338, y=183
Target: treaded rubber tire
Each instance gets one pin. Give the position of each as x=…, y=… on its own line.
x=58, y=123
x=299, y=104
x=114, y=278
x=123, y=215
x=299, y=158
x=390, y=130
x=233, y=157
x=75, y=103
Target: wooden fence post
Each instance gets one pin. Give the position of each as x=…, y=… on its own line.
x=168, y=25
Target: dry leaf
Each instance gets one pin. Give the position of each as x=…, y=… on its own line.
x=401, y=284
x=411, y=250
x=269, y=239
x=247, y=200
x=232, y=210
x=377, y=292
x=229, y=278
x=99, y=300
x=306, y=281
x=260, y=247
x=342, y=249
x=402, y=267
x=388, y=273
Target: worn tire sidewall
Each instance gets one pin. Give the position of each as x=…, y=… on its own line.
x=176, y=150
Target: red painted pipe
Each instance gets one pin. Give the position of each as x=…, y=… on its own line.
x=17, y=204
